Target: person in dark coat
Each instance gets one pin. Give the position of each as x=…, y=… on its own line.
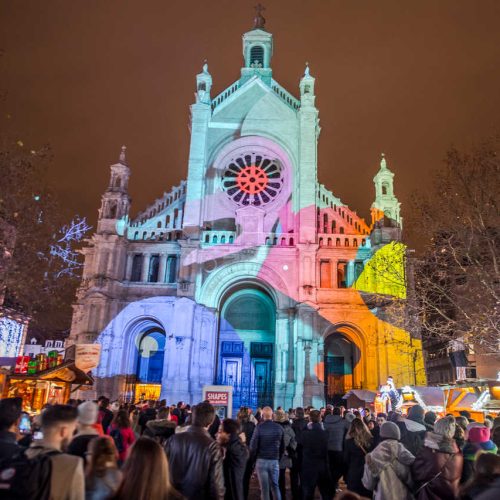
x=412, y=429
x=315, y=459
x=149, y=413
x=299, y=425
x=358, y=443
x=337, y=429
x=247, y=427
x=235, y=458
x=10, y=415
x=105, y=415
x=437, y=468
x=485, y=483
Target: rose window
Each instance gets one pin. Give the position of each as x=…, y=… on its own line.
x=253, y=179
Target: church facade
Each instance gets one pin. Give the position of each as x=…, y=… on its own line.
x=250, y=273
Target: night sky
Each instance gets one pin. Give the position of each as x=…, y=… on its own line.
x=409, y=79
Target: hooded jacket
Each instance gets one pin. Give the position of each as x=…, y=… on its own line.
x=437, y=469
x=337, y=428
x=387, y=471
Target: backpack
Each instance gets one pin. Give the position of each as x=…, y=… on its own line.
x=118, y=439
x=26, y=478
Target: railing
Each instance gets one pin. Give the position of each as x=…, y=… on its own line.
x=285, y=95
x=225, y=94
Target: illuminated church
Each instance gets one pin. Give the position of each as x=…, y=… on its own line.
x=250, y=273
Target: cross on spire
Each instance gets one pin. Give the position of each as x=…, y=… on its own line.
x=259, y=21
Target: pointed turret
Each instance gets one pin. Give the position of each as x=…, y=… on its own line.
x=306, y=87
x=115, y=202
x=386, y=204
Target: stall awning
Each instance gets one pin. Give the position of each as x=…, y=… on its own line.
x=431, y=396
x=362, y=394
x=65, y=372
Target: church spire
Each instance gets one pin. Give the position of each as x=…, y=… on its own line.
x=123, y=159
x=203, y=85
x=386, y=204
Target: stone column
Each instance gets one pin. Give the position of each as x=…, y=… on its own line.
x=290, y=374
x=128, y=270
x=145, y=267
x=162, y=268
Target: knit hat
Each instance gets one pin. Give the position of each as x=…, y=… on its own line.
x=389, y=430
x=349, y=417
x=479, y=434
x=87, y=413
x=416, y=413
x=430, y=418
x=280, y=416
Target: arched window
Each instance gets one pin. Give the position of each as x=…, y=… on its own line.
x=363, y=242
x=176, y=215
x=112, y=211
x=337, y=242
x=355, y=242
x=283, y=242
x=223, y=239
x=136, y=235
x=207, y=238
x=325, y=223
x=154, y=266
x=151, y=356
x=307, y=89
x=144, y=235
x=202, y=86
x=384, y=188
x=231, y=239
x=291, y=242
x=136, y=268
x=330, y=242
x=158, y=224
x=346, y=242
x=341, y=230
x=268, y=241
x=171, y=269
x=167, y=221
x=321, y=242
x=214, y=238
x=275, y=241
x=257, y=56
x=333, y=226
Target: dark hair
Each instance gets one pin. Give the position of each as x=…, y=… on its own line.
x=203, y=415
x=381, y=415
x=243, y=415
x=58, y=414
x=163, y=412
x=145, y=473
x=315, y=416
x=102, y=454
x=122, y=420
x=10, y=412
x=104, y=402
x=230, y=426
x=465, y=414
x=299, y=412
x=337, y=411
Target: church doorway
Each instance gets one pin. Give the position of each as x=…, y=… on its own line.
x=150, y=359
x=246, y=351
x=341, y=358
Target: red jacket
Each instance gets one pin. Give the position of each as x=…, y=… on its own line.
x=128, y=437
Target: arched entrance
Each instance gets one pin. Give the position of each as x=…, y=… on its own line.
x=149, y=365
x=246, y=350
x=341, y=358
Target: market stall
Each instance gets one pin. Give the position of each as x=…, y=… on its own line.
x=360, y=398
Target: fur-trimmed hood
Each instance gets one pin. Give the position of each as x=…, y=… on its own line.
x=440, y=443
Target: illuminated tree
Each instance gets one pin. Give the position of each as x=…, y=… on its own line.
x=457, y=276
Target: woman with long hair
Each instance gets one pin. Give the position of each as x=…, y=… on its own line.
x=102, y=475
x=486, y=478
x=358, y=442
x=145, y=474
x=123, y=435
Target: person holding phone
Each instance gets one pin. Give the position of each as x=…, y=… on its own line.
x=10, y=416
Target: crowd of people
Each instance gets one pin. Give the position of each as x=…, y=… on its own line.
x=152, y=451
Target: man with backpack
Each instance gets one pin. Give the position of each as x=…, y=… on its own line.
x=48, y=472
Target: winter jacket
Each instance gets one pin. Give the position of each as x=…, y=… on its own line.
x=387, y=471
x=337, y=429
x=8, y=445
x=101, y=488
x=437, y=469
x=105, y=416
x=315, y=449
x=235, y=461
x=299, y=425
x=145, y=416
x=127, y=439
x=247, y=428
x=195, y=461
x=67, y=480
x=412, y=435
x=354, y=458
x=268, y=441
x=492, y=492
x=290, y=445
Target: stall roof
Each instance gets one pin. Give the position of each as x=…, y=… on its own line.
x=431, y=396
x=65, y=372
x=362, y=394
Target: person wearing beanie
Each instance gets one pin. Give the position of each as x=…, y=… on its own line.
x=478, y=440
x=88, y=413
x=387, y=467
x=413, y=429
x=429, y=420
x=438, y=465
